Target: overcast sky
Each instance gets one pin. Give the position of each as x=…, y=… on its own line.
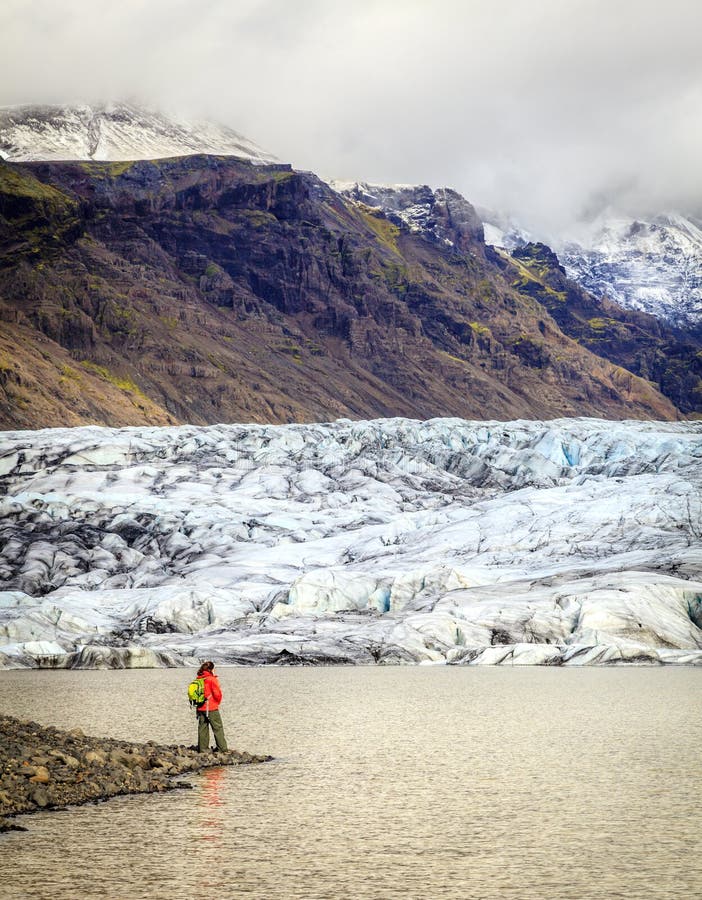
x=548, y=109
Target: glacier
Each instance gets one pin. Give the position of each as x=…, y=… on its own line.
x=567, y=542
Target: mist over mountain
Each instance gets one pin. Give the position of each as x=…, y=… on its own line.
x=550, y=112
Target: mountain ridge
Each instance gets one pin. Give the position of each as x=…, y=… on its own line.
x=220, y=286
x=648, y=345
x=652, y=265
x=646, y=264
x=210, y=289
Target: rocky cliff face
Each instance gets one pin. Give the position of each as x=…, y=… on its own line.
x=209, y=289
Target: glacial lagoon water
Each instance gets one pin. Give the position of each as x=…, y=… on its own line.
x=424, y=782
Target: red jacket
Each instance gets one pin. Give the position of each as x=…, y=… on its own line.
x=213, y=693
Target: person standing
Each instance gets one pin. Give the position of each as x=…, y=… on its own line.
x=208, y=714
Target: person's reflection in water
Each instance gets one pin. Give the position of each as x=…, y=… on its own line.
x=212, y=805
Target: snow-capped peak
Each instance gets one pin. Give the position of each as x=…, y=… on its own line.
x=442, y=215
x=653, y=264
x=114, y=131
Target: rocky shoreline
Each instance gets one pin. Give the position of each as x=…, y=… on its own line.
x=42, y=767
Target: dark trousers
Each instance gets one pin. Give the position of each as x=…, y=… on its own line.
x=205, y=721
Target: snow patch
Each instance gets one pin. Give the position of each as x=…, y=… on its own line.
x=114, y=131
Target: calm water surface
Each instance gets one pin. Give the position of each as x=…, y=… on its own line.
x=388, y=782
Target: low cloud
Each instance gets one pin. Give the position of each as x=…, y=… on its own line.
x=550, y=110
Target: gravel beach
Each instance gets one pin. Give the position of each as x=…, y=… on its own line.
x=42, y=767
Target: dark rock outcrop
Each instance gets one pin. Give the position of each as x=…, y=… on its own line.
x=42, y=767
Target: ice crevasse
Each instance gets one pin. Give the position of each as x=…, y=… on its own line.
x=567, y=542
